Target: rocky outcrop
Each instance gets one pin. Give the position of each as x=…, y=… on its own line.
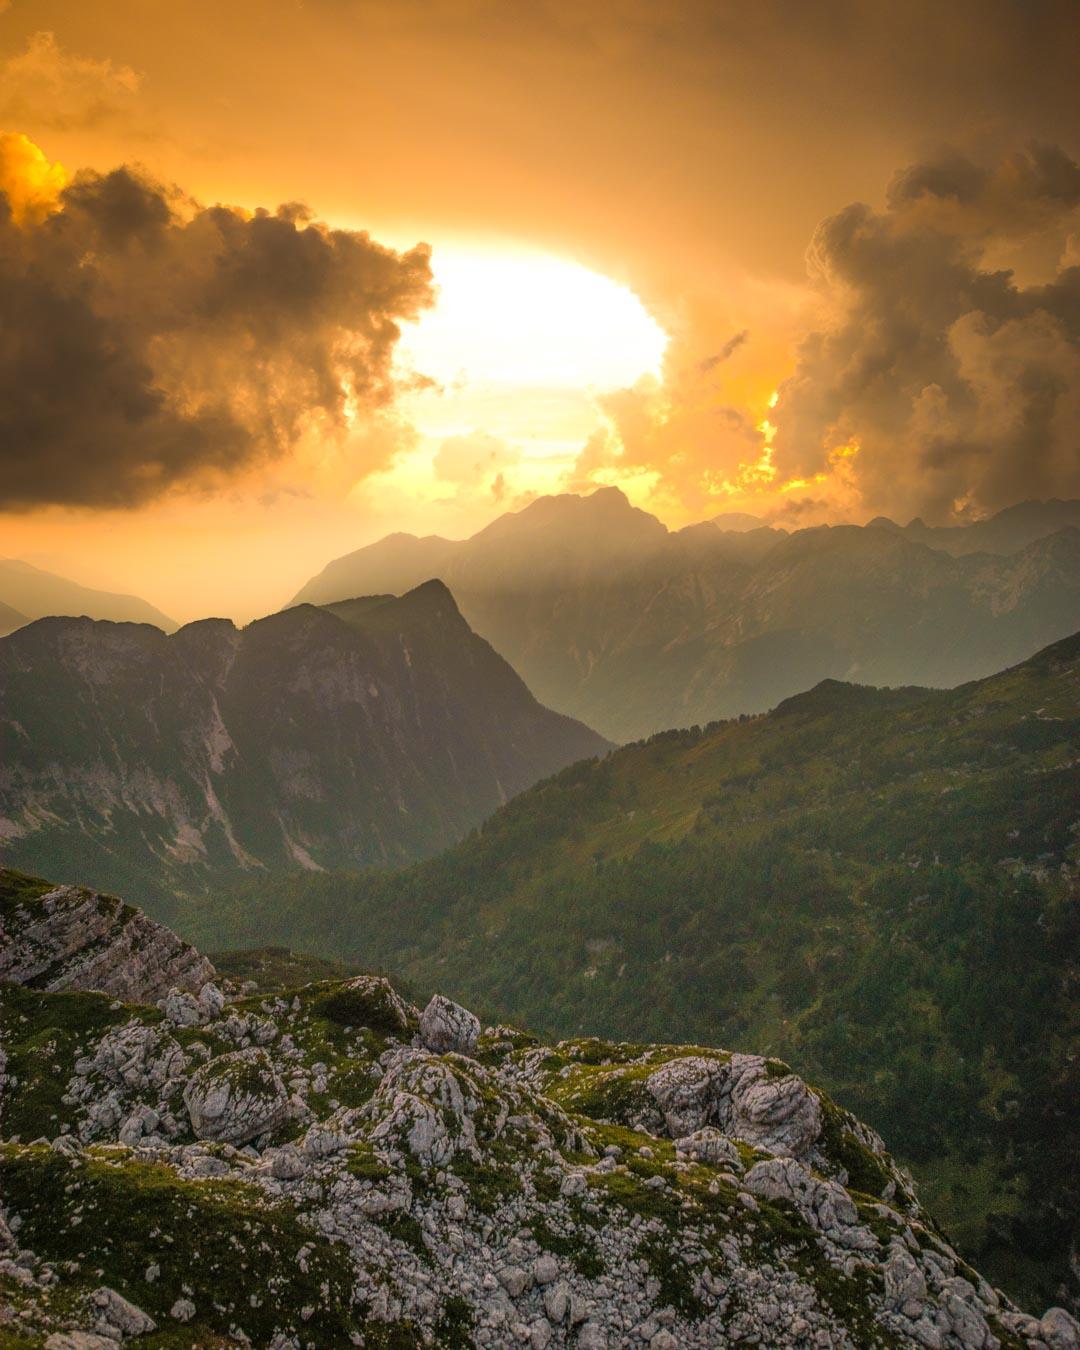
x=742, y=1095
x=236, y=1097
x=310, y=1168
x=445, y=1025
x=70, y=937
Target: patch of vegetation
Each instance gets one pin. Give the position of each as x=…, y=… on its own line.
x=580, y=1250
x=43, y=1035
x=220, y=1238
x=675, y=1278
x=361, y=1005
x=17, y=888
x=275, y=968
x=866, y=1171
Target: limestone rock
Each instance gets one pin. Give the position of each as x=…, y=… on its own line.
x=447, y=1026
x=741, y=1097
x=75, y=938
x=117, y=1317
x=236, y=1097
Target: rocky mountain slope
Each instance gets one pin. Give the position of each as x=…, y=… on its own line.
x=10, y=619
x=67, y=937
x=37, y=594
x=883, y=886
x=330, y=1166
x=610, y=617
x=308, y=739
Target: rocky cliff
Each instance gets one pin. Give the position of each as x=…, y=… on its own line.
x=331, y=1166
x=67, y=937
x=152, y=763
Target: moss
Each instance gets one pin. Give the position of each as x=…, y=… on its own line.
x=352, y=1005
x=220, y=1238
x=43, y=1035
x=577, y=1248
x=454, y=1330
x=866, y=1171
x=402, y=1227
x=675, y=1278
x=364, y=1162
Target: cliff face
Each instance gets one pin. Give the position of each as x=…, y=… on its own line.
x=329, y=1166
x=70, y=938
x=309, y=739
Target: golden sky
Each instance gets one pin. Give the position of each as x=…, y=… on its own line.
x=648, y=266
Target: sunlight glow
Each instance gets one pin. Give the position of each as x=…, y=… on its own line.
x=531, y=320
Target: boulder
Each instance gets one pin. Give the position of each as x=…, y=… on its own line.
x=236, y=1097
x=446, y=1026
x=117, y=1317
x=1060, y=1330
x=741, y=1096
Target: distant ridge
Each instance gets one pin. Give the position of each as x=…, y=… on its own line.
x=614, y=619
x=36, y=594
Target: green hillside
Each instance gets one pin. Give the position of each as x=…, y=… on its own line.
x=878, y=886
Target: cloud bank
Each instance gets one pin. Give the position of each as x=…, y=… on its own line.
x=950, y=386
x=147, y=340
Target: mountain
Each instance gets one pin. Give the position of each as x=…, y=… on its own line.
x=330, y=1165
x=36, y=594
x=1007, y=532
x=10, y=619
x=309, y=739
x=613, y=619
x=878, y=885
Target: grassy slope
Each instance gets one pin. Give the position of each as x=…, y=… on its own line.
x=878, y=886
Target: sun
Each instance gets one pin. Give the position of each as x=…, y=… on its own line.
x=531, y=320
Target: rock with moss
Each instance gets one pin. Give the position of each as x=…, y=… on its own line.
x=303, y=1168
x=236, y=1097
x=445, y=1025
x=71, y=937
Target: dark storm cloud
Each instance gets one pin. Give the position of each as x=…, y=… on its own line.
x=146, y=340
x=725, y=353
x=959, y=384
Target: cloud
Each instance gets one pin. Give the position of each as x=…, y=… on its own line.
x=725, y=353
x=152, y=341
x=48, y=87
x=946, y=385
x=473, y=459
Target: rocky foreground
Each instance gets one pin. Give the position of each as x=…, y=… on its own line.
x=329, y=1166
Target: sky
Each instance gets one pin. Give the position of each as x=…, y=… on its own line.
x=280, y=277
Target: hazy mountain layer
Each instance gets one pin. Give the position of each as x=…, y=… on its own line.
x=329, y=1165
x=611, y=618
x=36, y=594
x=880, y=886
x=132, y=759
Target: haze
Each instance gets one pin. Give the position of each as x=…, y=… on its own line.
x=810, y=262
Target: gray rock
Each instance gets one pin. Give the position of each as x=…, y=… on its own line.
x=1060, y=1330
x=446, y=1026
x=236, y=1097
x=75, y=938
x=117, y=1317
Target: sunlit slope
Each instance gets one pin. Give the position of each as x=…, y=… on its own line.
x=879, y=886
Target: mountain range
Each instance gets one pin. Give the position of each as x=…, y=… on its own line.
x=374, y=733
x=27, y=592
x=881, y=886
x=614, y=619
